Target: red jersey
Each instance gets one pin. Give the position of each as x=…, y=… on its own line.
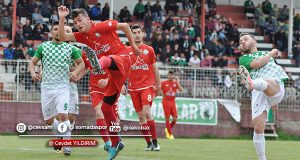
x=169, y=89
x=94, y=78
x=142, y=73
x=102, y=38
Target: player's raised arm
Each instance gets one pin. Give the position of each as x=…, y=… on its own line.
x=179, y=87
x=63, y=11
x=260, y=62
x=126, y=29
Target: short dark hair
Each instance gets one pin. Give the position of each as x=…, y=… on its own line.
x=54, y=23
x=77, y=11
x=244, y=34
x=136, y=26
x=171, y=72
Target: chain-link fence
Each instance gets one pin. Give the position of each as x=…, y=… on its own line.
x=211, y=83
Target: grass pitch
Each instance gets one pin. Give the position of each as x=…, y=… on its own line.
x=35, y=148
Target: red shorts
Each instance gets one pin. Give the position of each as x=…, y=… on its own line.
x=118, y=77
x=96, y=98
x=169, y=107
x=141, y=98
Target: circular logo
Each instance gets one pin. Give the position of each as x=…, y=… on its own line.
x=62, y=128
x=21, y=127
x=51, y=143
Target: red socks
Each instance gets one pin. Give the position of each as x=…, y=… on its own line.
x=109, y=117
x=146, y=132
x=151, y=124
x=105, y=62
x=173, y=124
x=101, y=122
x=168, y=126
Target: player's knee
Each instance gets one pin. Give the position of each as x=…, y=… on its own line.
x=110, y=99
x=99, y=114
x=141, y=116
x=259, y=129
x=49, y=122
x=174, y=119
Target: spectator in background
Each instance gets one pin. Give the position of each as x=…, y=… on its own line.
x=157, y=12
x=70, y=5
x=31, y=6
x=218, y=78
x=194, y=61
x=96, y=12
x=27, y=30
x=8, y=55
x=18, y=52
x=168, y=23
x=182, y=61
x=6, y=21
x=19, y=38
x=212, y=7
x=281, y=40
x=284, y=14
x=166, y=54
x=38, y=31
x=229, y=48
x=105, y=12
x=139, y=10
x=176, y=48
x=174, y=60
x=171, y=6
x=249, y=6
x=148, y=25
x=191, y=31
x=54, y=16
x=258, y=11
x=206, y=62
x=37, y=17
x=266, y=7
x=125, y=15
x=185, y=44
x=198, y=44
x=296, y=54
x=156, y=32
x=46, y=9
x=192, y=51
x=158, y=44
x=30, y=52
x=275, y=12
x=148, y=7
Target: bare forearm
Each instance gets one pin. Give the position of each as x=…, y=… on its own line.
x=258, y=63
x=127, y=31
x=157, y=76
x=80, y=67
x=61, y=30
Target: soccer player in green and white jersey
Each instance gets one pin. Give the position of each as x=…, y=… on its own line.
x=56, y=57
x=265, y=79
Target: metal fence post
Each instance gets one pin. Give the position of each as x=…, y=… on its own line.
x=18, y=79
x=195, y=80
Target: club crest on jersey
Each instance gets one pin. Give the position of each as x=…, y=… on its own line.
x=174, y=85
x=145, y=52
x=97, y=35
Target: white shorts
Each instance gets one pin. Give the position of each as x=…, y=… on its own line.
x=260, y=102
x=74, y=103
x=54, y=102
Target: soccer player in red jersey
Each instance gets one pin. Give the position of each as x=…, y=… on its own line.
x=143, y=82
x=98, y=84
x=169, y=88
x=103, y=39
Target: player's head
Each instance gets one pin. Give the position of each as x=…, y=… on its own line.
x=247, y=43
x=54, y=30
x=171, y=75
x=81, y=19
x=137, y=33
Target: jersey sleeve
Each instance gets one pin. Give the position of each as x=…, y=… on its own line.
x=245, y=60
x=86, y=61
x=106, y=26
x=79, y=37
x=76, y=53
x=38, y=52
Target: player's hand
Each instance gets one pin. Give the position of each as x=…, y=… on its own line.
x=63, y=11
x=123, y=90
x=136, y=50
x=36, y=76
x=275, y=53
x=157, y=90
x=102, y=83
x=176, y=79
x=73, y=77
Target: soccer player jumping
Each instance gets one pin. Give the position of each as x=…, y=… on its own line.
x=103, y=39
x=266, y=80
x=144, y=81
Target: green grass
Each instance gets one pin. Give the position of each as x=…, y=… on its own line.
x=21, y=148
